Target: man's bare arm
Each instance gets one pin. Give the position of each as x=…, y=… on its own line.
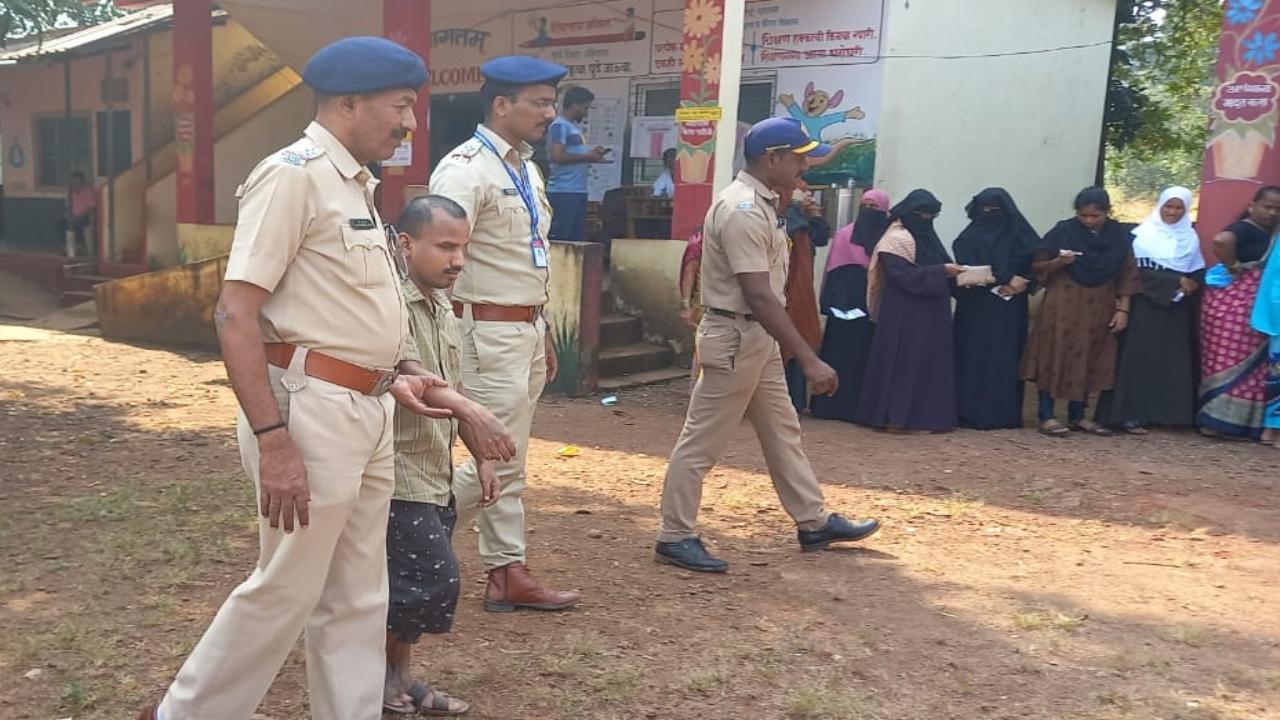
x=772, y=315
x=236, y=318
x=491, y=439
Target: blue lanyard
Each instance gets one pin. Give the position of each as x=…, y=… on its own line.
x=523, y=186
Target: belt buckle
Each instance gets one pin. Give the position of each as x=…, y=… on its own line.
x=384, y=383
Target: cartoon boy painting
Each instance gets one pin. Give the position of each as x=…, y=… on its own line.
x=815, y=117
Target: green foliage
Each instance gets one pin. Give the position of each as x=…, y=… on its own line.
x=1163, y=75
x=564, y=338
x=21, y=18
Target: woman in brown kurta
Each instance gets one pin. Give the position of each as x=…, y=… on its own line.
x=808, y=231
x=1086, y=265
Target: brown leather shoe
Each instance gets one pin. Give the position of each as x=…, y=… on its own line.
x=149, y=712
x=513, y=586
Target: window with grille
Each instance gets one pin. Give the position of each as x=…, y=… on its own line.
x=64, y=145
x=118, y=129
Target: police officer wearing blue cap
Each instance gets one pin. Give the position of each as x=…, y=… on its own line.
x=744, y=273
x=313, y=329
x=507, y=355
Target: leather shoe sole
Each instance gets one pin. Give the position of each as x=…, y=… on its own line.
x=664, y=560
x=824, y=544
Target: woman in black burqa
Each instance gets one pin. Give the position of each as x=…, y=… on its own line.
x=991, y=321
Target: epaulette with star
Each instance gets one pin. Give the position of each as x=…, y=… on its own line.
x=299, y=153
x=467, y=150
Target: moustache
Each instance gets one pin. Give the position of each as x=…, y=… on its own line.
x=399, y=134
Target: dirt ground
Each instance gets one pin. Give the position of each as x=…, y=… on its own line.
x=1017, y=576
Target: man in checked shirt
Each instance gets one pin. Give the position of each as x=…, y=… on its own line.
x=422, y=568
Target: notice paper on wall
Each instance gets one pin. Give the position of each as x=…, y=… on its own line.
x=605, y=126
x=650, y=136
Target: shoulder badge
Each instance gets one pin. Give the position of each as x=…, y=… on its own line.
x=300, y=153
x=467, y=150
x=746, y=204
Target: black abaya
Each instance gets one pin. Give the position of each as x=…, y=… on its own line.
x=1156, y=379
x=991, y=332
x=990, y=336
x=846, y=344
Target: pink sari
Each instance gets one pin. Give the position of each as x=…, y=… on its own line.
x=1233, y=359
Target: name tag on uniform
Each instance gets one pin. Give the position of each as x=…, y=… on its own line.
x=510, y=192
x=362, y=224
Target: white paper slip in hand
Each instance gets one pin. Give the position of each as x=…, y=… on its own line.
x=996, y=291
x=853, y=314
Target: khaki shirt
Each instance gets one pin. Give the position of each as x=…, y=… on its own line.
x=741, y=235
x=309, y=234
x=424, y=446
x=499, y=269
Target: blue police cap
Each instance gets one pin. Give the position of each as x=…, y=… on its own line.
x=523, y=70
x=357, y=65
x=782, y=133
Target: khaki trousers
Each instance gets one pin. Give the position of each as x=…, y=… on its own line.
x=329, y=579
x=741, y=374
x=504, y=369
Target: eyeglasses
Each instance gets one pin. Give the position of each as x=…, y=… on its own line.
x=540, y=103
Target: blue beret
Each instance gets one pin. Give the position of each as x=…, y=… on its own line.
x=782, y=133
x=357, y=65
x=522, y=70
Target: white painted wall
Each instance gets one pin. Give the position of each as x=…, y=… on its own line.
x=31, y=90
x=1029, y=123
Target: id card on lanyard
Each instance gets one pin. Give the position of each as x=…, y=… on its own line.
x=524, y=188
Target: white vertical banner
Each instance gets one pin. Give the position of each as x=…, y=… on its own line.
x=606, y=126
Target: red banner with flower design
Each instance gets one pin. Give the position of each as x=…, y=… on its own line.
x=699, y=87
x=1241, y=155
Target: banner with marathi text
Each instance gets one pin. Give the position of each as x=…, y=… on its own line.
x=1241, y=155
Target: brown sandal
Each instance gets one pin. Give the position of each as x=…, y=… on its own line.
x=1053, y=428
x=441, y=704
x=1093, y=428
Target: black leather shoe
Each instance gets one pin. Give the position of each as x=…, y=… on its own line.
x=690, y=555
x=837, y=529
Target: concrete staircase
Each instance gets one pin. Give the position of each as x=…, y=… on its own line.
x=78, y=278
x=626, y=359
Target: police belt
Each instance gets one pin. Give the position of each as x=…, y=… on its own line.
x=732, y=315
x=332, y=370
x=499, y=313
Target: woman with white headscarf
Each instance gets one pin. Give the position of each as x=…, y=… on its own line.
x=1156, y=376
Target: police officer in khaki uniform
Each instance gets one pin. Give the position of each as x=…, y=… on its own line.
x=744, y=270
x=313, y=327
x=507, y=357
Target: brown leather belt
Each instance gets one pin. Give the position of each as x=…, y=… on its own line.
x=499, y=313
x=732, y=315
x=330, y=369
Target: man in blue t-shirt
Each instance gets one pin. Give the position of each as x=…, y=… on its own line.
x=569, y=156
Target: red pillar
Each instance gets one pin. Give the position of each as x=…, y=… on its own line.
x=408, y=22
x=1242, y=155
x=193, y=109
x=699, y=88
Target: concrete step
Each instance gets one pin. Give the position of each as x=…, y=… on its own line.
x=72, y=267
x=83, y=281
x=632, y=359
x=67, y=298
x=617, y=329
x=648, y=377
